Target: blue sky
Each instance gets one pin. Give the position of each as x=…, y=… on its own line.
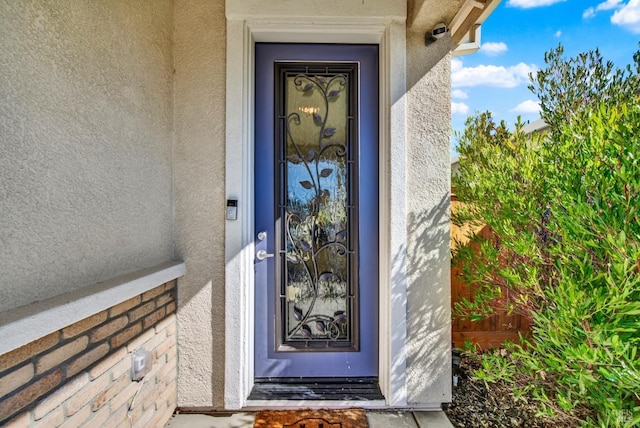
x=514, y=40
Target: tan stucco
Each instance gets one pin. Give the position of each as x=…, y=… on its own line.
x=427, y=13
x=428, y=183
x=86, y=143
x=199, y=198
x=113, y=159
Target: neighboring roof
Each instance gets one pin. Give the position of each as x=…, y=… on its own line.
x=536, y=126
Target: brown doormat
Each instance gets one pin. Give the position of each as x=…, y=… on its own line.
x=345, y=418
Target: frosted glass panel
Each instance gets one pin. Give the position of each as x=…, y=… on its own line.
x=317, y=294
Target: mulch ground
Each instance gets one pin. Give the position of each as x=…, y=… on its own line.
x=475, y=406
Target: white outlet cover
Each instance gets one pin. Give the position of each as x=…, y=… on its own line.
x=141, y=363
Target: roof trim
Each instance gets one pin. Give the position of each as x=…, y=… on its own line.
x=465, y=25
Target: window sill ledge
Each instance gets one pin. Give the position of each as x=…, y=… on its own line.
x=27, y=323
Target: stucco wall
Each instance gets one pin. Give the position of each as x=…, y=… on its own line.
x=199, y=176
x=88, y=102
x=428, y=183
x=86, y=143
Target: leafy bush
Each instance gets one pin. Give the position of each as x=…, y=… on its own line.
x=565, y=209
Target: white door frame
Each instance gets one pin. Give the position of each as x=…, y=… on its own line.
x=242, y=34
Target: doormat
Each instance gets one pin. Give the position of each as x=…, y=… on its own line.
x=344, y=418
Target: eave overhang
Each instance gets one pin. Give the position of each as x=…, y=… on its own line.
x=462, y=17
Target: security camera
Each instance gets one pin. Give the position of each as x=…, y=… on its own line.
x=439, y=31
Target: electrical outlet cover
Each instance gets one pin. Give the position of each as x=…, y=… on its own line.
x=141, y=363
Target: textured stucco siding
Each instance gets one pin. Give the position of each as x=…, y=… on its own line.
x=86, y=143
x=428, y=183
x=199, y=176
x=112, y=159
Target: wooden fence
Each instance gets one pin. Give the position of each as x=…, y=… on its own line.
x=489, y=332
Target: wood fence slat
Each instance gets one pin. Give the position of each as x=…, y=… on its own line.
x=489, y=332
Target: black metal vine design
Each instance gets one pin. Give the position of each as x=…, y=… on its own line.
x=305, y=253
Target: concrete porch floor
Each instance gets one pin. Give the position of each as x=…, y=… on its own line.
x=377, y=419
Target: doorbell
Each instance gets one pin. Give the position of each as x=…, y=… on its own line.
x=232, y=209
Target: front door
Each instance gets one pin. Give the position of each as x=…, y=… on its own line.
x=316, y=211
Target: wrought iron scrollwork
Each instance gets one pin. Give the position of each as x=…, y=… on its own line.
x=316, y=228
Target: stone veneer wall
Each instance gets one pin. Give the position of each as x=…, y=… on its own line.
x=80, y=375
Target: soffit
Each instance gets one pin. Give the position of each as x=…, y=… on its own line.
x=458, y=15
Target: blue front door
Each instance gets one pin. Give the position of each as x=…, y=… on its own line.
x=316, y=210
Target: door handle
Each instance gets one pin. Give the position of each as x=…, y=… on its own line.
x=262, y=254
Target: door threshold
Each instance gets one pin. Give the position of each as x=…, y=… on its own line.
x=317, y=389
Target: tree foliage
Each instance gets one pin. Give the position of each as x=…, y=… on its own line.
x=567, y=86
x=565, y=209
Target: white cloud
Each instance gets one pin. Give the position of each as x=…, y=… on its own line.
x=528, y=106
x=528, y=4
x=628, y=16
x=459, y=94
x=558, y=33
x=456, y=65
x=609, y=5
x=493, y=48
x=459, y=108
x=490, y=75
x=605, y=5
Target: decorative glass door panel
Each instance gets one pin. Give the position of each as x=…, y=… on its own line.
x=316, y=211
x=317, y=193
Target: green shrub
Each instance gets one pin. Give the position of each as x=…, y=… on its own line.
x=565, y=209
